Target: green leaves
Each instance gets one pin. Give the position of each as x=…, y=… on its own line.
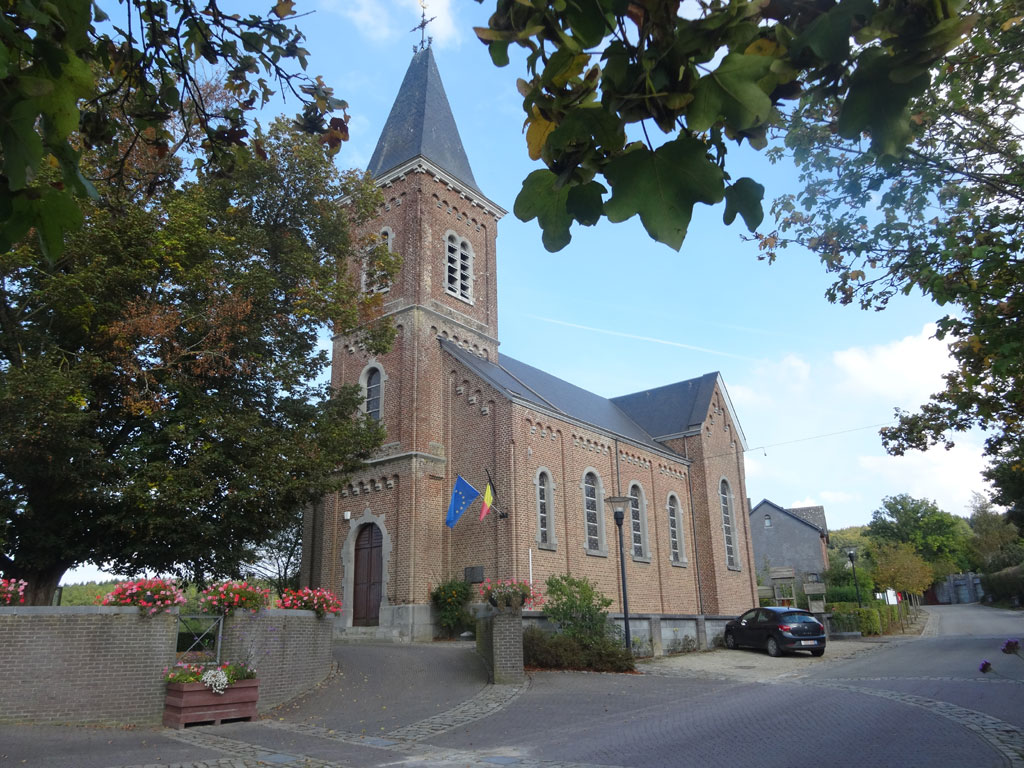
x=744, y=197
x=541, y=198
x=707, y=76
x=731, y=93
x=663, y=186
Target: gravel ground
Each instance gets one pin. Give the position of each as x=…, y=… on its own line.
x=749, y=665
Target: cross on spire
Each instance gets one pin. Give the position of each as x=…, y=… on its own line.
x=422, y=27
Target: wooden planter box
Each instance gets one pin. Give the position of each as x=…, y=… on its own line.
x=188, y=703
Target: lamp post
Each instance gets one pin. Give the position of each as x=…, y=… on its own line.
x=619, y=504
x=852, y=554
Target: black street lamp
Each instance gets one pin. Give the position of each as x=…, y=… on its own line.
x=619, y=504
x=852, y=554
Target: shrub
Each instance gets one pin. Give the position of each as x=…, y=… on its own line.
x=1005, y=585
x=841, y=594
x=321, y=601
x=560, y=651
x=450, y=600
x=150, y=595
x=868, y=621
x=225, y=598
x=578, y=608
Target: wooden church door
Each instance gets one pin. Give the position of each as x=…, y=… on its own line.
x=367, y=581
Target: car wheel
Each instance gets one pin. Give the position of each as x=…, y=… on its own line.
x=730, y=641
x=818, y=652
x=773, y=647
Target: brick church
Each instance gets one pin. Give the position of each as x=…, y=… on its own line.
x=453, y=405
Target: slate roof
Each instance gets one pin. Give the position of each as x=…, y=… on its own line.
x=813, y=515
x=421, y=124
x=672, y=409
x=522, y=382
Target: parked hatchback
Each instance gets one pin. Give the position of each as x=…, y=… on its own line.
x=777, y=629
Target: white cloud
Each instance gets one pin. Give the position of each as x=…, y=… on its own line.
x=744, y=397
x=905, y=372
x=378, y=20
x=946, y=477
x=838, y=497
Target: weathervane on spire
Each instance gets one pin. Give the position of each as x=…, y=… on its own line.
x=422, y=27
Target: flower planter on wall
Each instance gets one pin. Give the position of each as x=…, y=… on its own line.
x=188, y=703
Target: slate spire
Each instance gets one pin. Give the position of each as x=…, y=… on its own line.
x=421, y=123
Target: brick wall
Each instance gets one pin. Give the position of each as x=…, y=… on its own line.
x=99, y=664
x=291, y=650
x=507, y=647
x=90, y=664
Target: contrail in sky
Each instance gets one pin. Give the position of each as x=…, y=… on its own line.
x=641, y=338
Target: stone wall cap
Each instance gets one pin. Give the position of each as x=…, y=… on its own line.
x=75, y=610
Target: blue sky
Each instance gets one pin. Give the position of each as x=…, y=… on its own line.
x=615, y=312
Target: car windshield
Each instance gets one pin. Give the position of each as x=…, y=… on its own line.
x=798, y=618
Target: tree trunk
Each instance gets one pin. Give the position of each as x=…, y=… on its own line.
x=42, y=583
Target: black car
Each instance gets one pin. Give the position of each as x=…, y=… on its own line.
x=777, y=629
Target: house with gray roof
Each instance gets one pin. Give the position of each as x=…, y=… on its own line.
x=795, y=538
x=554, y=454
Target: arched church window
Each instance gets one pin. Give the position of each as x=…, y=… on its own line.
x=593, y=514
x=373, y=390
x=373, y=282
x=675, y=530
x=460, y=267
x=545, y=511
x=728, y=524
x=638, y=522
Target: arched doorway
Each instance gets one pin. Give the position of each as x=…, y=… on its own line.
x=366, y=583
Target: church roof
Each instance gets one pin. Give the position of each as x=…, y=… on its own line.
x=519, y=381
x=421, y=124
x=671, y=410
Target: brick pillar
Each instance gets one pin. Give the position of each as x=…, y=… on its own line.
x=508, y=647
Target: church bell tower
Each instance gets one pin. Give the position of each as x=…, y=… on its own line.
x=435, y=216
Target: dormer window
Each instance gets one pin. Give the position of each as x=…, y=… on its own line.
x=459, y=280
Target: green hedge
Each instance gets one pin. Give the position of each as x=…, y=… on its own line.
x=869, y=620
x=550, y=651
x=1006, y=584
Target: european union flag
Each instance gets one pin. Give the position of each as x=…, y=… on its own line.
x=463, y=495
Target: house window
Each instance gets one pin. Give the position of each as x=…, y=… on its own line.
x=373, y=382
x=593, y=517
x=811, y=578
x=675, y=531
x=728, y=524
x=767, y=521
x=460, y=267
x=545, y=511
x=638, y=522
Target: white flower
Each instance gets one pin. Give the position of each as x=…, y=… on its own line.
x=215, y=680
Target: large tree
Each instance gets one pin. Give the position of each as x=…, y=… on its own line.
x=899, y=567
x=157, y=408
x=647, y=96
x=80, y=74
x=938, y=537
x=945, y=218
x=996, y=542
